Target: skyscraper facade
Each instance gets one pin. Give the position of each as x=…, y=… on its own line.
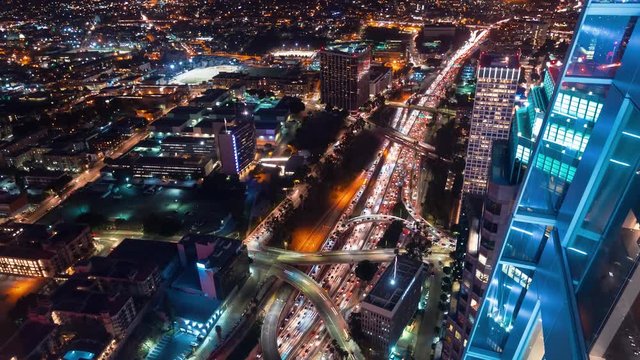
x=496, y=88
x=488, y=225
x=344, y=75
x=236, y=146
x=565, y=284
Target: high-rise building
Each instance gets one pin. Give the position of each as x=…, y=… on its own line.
x=236, y=146
x=488, y=225
x=565, y=284
x=496, y=88
x=390, y=305
x=487, y=221
x=344, y=75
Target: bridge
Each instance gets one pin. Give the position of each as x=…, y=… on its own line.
x=362, y=219
x=428, y=109
x=269, y=329
x=275, y=255
x=420, y=147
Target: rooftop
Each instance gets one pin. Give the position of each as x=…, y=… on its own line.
x=164, y=161
x=510, y=61
x=25, y=340
x=394, y=282
x=348, y=47
x=223, y=250
x=80, y=295
x=169, y=122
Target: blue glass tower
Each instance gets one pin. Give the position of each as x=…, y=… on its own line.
x=565, y=284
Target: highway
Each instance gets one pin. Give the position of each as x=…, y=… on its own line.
x=399, y=166
x=333, y=320
x=269, y=330
x=324, y=257
x=381, y=218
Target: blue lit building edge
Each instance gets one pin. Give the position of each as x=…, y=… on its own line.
x=564, y=235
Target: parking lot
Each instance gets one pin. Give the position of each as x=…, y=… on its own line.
x=125, y=207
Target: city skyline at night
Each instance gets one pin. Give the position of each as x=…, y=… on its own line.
x=370, y=179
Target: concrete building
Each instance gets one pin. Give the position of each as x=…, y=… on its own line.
x=222, y=264
x=487, y=224
x=344, y=75
x=391, y=303
x=37, y=250
x=190, y=167
x=380, y=79
x=493, y=108
x=188, y=145
x=236, y=146
x=79, y=299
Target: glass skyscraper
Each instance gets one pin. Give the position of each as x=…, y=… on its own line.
x=496, y=88
x=565, y=284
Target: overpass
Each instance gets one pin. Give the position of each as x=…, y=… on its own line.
x=275, y=255
x=428, y=109
x=269, y=329
x=420, y=147
x=398, y=137
x=330, y=314
x=362, y=219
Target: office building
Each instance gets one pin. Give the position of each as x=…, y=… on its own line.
x=236, y=146
x=188, y=145
x=222, y=264
x=487, y=222
x=80, y=299
x=565, y=280
x=490, y=220
x=390, y=305
x=381, y=79
x=37, y=250
x=496, y=87
x=189, y=167
x=344, y=75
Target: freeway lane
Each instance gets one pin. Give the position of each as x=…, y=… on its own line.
x=269, y=330
x=333, y=320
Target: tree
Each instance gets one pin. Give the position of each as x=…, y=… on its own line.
x=296, y=105
x=161, y=225
x=392, y=234
x=20, y=310
x=366, y=270
x=93, y=219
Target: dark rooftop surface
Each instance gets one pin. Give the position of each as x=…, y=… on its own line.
x=393, y=283
x=137, y=250
x=169, y=122
x=80, y=295
x=224, y=249
x=25, y=340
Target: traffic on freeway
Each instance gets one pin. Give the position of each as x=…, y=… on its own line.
x=302, y=336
